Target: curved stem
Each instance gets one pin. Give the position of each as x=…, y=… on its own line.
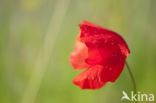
x=132, y=77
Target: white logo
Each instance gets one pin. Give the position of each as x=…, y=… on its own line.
x=141, y=97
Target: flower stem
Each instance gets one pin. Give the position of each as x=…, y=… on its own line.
x=132, y=77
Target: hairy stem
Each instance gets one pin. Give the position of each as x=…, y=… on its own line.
x=132, y=77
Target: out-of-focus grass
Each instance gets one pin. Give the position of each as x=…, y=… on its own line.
x=24, y=27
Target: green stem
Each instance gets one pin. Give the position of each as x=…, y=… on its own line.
x=132, y=77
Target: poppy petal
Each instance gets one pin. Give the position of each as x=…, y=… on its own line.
x=92, y=78
x=96, y=36
x=78, y=56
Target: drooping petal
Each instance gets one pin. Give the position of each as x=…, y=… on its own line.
x=96, y=36
x=92, y=78
x=78, y=56
x=115, y=71
x=115, y=65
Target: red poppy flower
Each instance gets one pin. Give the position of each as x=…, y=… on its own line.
x=101, y=52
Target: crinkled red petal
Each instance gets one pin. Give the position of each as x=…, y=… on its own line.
x=98, y=75
x=91, y=78
x=96, y=36
x=78, y=56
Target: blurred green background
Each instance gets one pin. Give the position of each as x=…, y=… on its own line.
x=37, y=37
